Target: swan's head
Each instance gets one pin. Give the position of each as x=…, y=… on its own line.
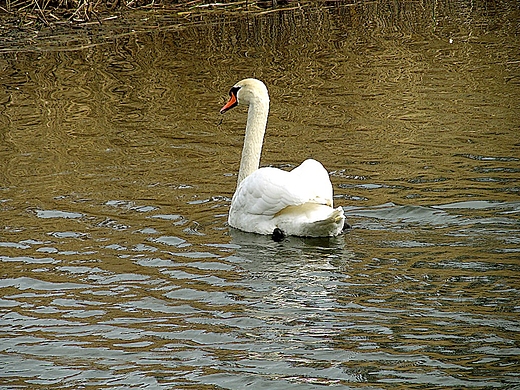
x=247, y=91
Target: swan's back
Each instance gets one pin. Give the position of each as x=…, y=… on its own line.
x=298, y=202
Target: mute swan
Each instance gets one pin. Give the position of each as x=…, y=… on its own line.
x=270, y=200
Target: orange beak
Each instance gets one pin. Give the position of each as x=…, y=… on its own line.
x=232, y=102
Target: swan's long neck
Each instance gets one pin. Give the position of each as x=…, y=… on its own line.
x=254, y=138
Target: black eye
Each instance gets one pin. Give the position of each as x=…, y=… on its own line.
x=233, y=91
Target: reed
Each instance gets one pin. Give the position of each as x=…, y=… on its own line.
x=53, y=12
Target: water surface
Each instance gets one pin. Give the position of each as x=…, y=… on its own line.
x=116, y=172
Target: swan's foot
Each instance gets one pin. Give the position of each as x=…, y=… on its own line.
x=278, y=235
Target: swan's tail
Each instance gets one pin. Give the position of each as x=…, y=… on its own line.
x=311, y=220
x=330, y=226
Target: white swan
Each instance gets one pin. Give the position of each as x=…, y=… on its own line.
x=270, y=200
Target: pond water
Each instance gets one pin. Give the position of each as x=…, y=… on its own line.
x=116, y=172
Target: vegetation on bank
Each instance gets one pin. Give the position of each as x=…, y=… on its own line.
x=80, y=12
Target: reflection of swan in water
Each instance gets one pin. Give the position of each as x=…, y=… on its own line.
x=243, y=240
x=263, y=252
x=296, y=280
x=272, y=201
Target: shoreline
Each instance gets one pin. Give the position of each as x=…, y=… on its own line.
x=30, y=28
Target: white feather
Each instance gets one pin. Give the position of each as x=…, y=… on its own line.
x=298, y=202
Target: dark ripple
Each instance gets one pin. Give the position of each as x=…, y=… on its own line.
x=303, y=313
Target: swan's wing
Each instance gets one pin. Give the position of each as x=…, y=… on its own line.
x=267, y=191
x=262, y=193
x=313, y=181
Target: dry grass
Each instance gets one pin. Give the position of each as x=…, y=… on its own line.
x=50, y=11
x=53, y=12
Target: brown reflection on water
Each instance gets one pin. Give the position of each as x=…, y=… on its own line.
x=401, y=103
x=359, y=88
